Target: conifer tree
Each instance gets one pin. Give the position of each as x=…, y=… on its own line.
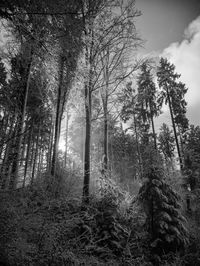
x=172, y=93
x=162, y=207
x=166, y=143
x=146, y=101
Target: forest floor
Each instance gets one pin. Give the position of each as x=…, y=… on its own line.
x=40, y=228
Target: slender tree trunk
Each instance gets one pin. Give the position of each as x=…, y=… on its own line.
x=105, y=142
x=154, y=132
x=87, y=145
x=32, y=151
x=4, y=128
x=88, y=106
x=28, y=153
x=15, y=166
x=174, y=128
x=50, y=148
x=23, y=150
x=58, y=120
x=35, y=155
x=5, y=165
x=138, y=147
x=40, y=159
x=66, y=139
x=105, y=109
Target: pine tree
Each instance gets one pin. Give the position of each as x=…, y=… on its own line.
x=166, y=143
x=165, y=223
x=146, y=100
x=173, y=93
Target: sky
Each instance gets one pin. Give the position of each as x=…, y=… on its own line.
x=171, y=28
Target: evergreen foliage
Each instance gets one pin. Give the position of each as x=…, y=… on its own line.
x=165, y=222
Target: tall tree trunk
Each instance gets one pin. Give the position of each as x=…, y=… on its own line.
x=174, y=128
x=88, y=103
x=23, y=150
x=105, y=166
x=138, y=146
x=50, y=148
x=154, y=132
x=6, y=165
x=28, y=153
x=58, y=118
x=15, y=166
x=35, y=155
x=86, y=182
x=105, y=109
x=66, y=138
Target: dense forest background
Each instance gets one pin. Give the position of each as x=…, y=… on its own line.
x=86, y=177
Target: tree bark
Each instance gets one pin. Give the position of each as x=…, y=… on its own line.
x=105, y=109
x=50, y=148
x=138, y=147
x=86, y=182
x=154, y=132
x=28, y=153
x=58, y=120
x=35, y=155
x=15, y=166
x=66, y=139
x=174, y=128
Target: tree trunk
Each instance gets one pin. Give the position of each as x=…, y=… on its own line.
x=105, y=109
x=105, y=166
x=174, y=128
x=50, y=148
x=86, y=182
x=15, y=166
x=66, y=139
x=154, y=132
x=35, y=155
x=58, y=119
x=138, y=147
x=28, y=153
x=5, y=165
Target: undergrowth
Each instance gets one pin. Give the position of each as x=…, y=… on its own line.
x=42, y=225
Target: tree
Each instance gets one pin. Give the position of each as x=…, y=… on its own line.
x=116, y=49
x=128, y=99
x=166, y=143
x=102, y=41
x=172, y=93
x=164, y=220
x=146, y=100
x=192, y=156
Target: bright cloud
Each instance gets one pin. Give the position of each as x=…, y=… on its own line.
x=186, y=57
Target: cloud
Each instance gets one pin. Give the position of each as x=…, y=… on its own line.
x=186, y=58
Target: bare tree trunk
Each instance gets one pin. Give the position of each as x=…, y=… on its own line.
x=58, y=118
